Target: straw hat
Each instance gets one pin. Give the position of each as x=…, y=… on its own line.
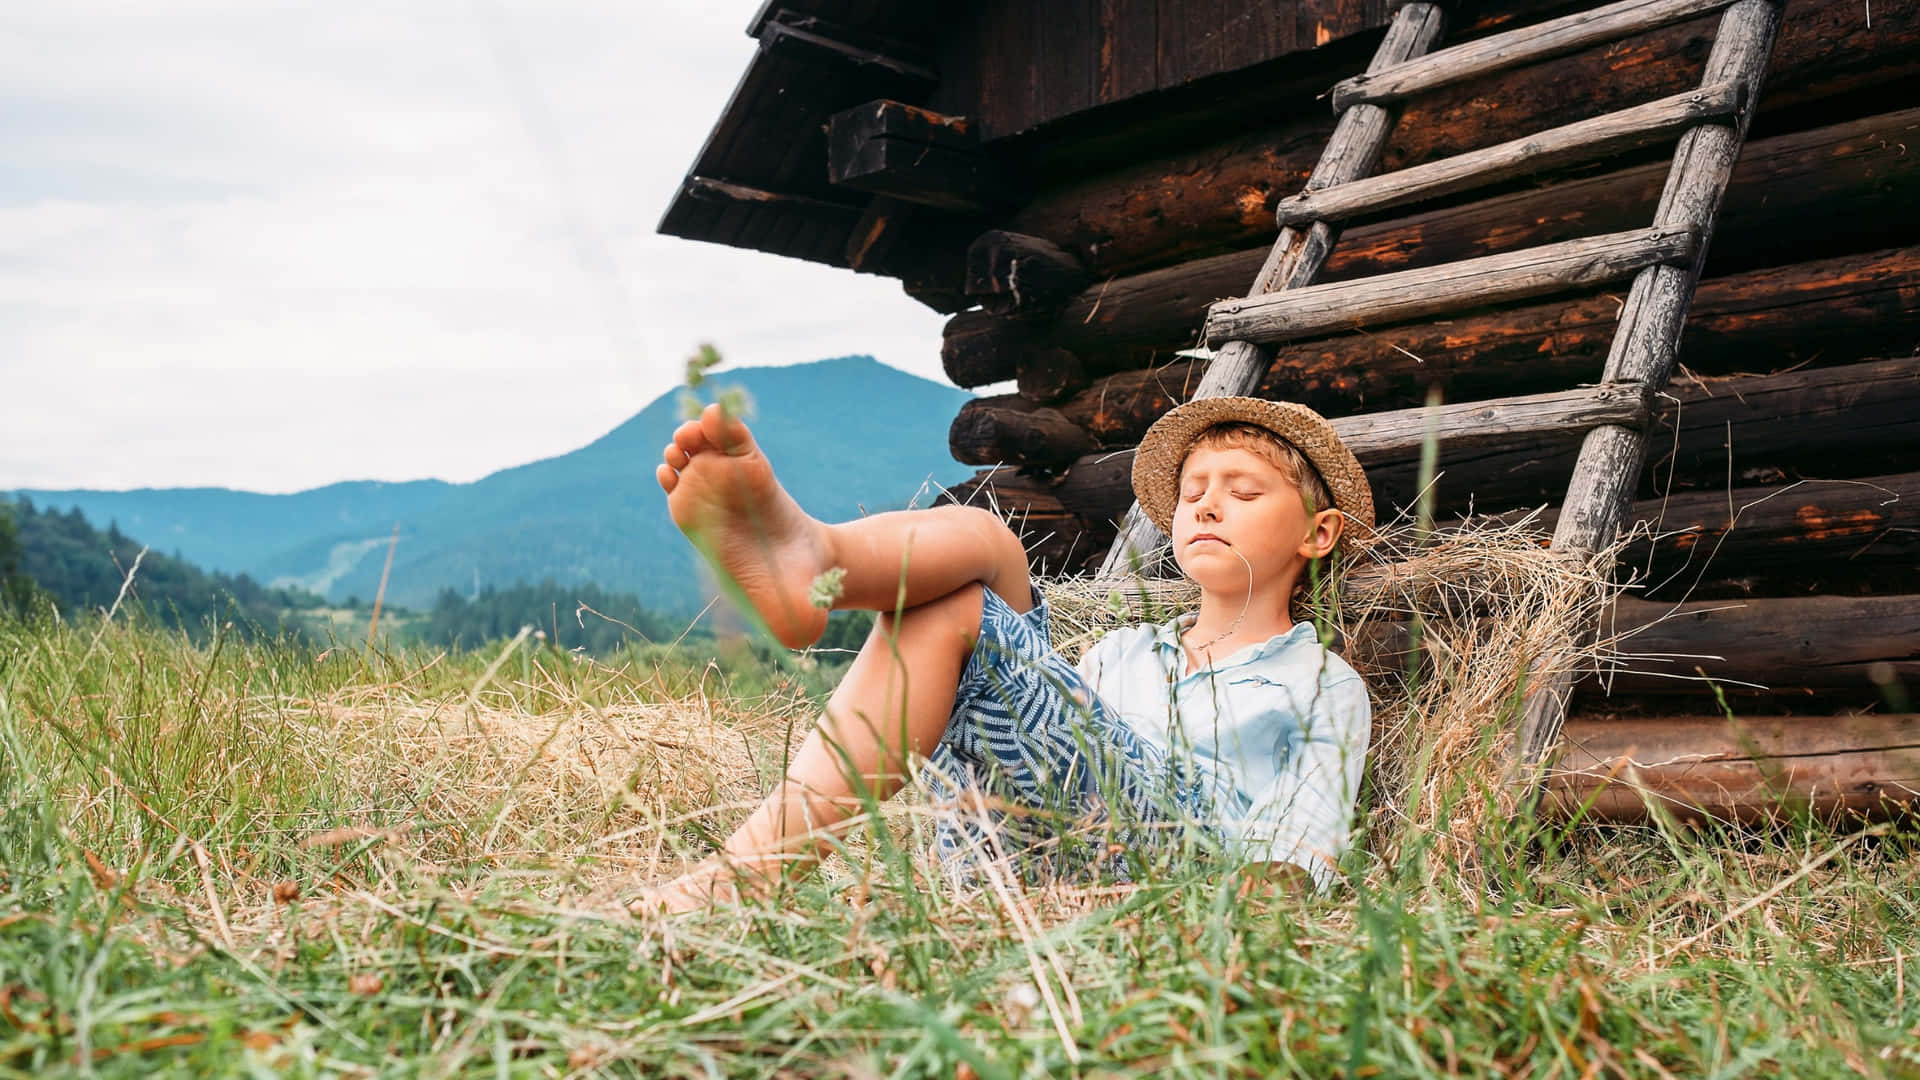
x=1156, y=465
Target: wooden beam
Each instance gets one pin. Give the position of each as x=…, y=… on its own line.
x=1474, y=283
x=815, y=38
x=1516, y=48
x=914, y=155
x=1821, y=536
x=978, y=348
x=1835, y=648
x=1009, y=429
x=1750, y=769
x=1157, y=210
x=1848, y=645
x=708, y=188
x=1587, y=140
x=1011, y=272
x=1048, y=376
x=1851, y=420
x=880, y=226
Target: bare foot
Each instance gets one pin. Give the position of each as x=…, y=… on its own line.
x=713, y=881
x=722, y=494
x=698, y=888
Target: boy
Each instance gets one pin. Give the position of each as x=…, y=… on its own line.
x=1233, y=725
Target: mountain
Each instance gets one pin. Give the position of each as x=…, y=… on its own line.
x=847, y=436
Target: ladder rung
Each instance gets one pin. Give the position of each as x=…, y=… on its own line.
x=1628, y=129
x=1413, y=294
x=1376, y=438
x=1516, y=48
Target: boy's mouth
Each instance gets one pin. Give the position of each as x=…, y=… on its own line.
x=1206, y=536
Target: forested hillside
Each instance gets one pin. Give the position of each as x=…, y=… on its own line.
x=60, y=561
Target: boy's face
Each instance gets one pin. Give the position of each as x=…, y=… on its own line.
x=1234, y=503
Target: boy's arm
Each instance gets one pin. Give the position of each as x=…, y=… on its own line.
x=1302, y=819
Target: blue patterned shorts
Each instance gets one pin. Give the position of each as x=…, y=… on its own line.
x=1073, y=791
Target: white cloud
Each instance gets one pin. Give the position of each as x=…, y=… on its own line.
x=276, y=246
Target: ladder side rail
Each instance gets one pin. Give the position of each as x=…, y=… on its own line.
x=1354, y=150
x=1646, y=344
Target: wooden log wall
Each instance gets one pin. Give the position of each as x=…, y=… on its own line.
x=1781, y=503
x=1222, y=196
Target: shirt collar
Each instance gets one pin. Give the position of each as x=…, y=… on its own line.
x=1166, y=639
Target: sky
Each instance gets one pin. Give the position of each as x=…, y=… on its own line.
x=275, y=245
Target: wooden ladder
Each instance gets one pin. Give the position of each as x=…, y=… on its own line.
x=1663, y=259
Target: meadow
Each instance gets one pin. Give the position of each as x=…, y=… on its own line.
x=248, y=858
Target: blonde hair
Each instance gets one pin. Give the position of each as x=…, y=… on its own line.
x=1272, y=449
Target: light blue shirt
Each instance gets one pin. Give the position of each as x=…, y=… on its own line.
x=1285, y=722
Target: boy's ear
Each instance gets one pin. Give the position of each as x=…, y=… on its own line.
x=1325, y=536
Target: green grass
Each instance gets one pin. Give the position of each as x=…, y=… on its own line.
x=457, y=826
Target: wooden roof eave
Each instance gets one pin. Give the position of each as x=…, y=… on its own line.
x=760, y=179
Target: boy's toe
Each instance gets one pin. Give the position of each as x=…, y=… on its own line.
x=667, y=477
x=676, y=458
x=728, y=433
x=690, y=437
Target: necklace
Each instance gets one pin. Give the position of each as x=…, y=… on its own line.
x=1202, y=650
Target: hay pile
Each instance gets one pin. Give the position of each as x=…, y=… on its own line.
x=1449, y=627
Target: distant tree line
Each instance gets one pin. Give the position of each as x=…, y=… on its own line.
x=54, y=562
x=567, y=616
x=585, y=617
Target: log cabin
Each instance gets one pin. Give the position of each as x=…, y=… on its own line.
x=1081, y=184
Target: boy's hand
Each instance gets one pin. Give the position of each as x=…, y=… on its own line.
x=1272, y=878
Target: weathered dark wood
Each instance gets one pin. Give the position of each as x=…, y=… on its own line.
x=1516, y=48
x=1824, y=311
x=988, y=427
x=1828, y=537
x=1220, y=196
x=1807, y=536
x=794, y=31
x=878, y=230
x=1415, y=294
x=1585, y=140
x=1047, y=376
x=1008, y=427
x=1057, y=540
x=1854, y=420
x=709, y=189
x=1844, y=645
x=1012, y=272
x=1607, y=471
x=1656, y=308
x=978, y=348
x=1807, y=646
x=914, y=155
x=1354, y=150
x=1853, y=175
x=1858, y=419
x=1749, y=769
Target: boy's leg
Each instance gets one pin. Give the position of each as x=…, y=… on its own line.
x=722, y=493
x=895, y=701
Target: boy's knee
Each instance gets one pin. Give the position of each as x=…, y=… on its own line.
x=955, y=615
